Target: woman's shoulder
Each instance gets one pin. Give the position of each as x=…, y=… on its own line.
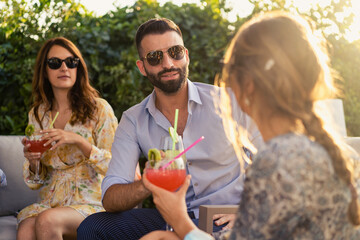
x=102, y=104
x=291, y=151
x=292, y=144
x=41, y=111
x=101, y=101
x=104, y=111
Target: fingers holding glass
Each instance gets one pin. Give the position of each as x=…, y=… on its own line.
x=163, y=169
x=35, y=147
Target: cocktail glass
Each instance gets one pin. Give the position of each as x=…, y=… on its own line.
x=173, y=175
x=37, y=145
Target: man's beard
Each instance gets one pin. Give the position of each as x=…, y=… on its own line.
x=171, y=86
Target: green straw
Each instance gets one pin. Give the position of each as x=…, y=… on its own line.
x=52, y=123
x=175, y=126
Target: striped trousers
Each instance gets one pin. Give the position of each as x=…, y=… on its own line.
x=131, y=224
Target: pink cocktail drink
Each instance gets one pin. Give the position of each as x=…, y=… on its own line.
x=169, y=179
x=33, y=139
x=38, y=145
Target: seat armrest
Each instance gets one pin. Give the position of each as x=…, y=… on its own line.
x=354, y=142
x=206, y=213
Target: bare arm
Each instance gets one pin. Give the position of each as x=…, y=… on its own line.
x=121, y=197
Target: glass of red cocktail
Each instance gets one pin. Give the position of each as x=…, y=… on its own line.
x=165, y=171
x=37, y=145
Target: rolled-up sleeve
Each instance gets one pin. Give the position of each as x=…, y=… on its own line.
x=104, y=136
x=125, y=155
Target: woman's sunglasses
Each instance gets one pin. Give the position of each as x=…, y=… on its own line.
x=55, y=63
x=155, y=57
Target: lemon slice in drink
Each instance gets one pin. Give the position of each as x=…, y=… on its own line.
x=29, y=130
x=171, y=153
x=173, y=134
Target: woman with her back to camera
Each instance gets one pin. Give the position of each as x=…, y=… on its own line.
x=302, y=184
x=81, y=139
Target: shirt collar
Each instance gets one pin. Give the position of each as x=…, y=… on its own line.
x=193, y=93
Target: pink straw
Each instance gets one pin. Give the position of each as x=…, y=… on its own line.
x=187, y=149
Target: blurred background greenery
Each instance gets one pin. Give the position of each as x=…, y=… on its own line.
x=107, y=44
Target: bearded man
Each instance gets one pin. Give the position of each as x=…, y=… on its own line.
x=213, y=163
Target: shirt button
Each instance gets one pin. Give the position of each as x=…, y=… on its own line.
x=196, y=184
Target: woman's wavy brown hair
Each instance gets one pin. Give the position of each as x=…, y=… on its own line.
x=287, y=59
x=82, y=95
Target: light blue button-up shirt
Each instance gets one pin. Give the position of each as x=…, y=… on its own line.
x=212, y=163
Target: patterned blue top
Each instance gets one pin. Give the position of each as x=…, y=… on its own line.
x=3, y=182
x=292, y=192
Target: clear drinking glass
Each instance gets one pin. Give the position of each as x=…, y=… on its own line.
x=37, y=145
x=165, y=175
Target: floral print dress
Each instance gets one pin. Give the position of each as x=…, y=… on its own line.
x=292, y=192
x=71, y=179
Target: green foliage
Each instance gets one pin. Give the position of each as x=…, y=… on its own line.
x=107, y=45
x=346, y=60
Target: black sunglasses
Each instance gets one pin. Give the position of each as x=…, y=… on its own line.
x=155, y=57
x=55, y=63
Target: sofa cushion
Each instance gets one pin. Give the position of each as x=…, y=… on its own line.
x=16, y=195
x=7, y=228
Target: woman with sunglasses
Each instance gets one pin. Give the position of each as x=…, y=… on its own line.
x=303, y=183
x=81, y=139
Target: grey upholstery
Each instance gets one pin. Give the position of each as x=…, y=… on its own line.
x=16, y=195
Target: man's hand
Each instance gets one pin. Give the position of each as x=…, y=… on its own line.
x=225, y=218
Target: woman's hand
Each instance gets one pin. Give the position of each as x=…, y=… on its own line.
x=160, y=235
x=61, y=137
x=32, y=157
x=169, y=202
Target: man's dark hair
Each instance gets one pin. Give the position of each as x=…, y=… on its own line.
x=155, y=26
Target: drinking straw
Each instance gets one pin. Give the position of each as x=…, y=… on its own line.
x=187, y=149
x=175, y=127
x=52, y=123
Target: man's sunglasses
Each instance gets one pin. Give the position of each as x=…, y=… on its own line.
x=55, y=63
x=155, y=57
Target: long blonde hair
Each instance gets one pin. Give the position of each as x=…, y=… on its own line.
x=287, y=60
